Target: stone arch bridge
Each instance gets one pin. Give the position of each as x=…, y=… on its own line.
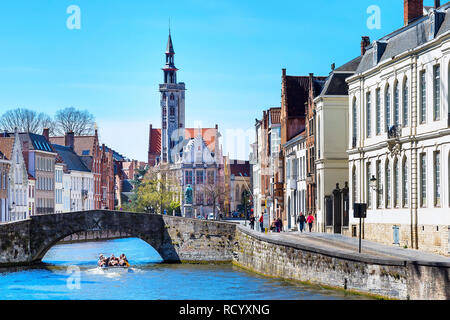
x=176, y=239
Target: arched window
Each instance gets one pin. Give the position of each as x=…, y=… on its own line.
x=368, y=115
x=405, y=183
x=378, y=111
x=396, y=104
x=405, y=96
x=396, y=183
x=172, y=97
x=354, y=123
x=387, y=108
x=368, y=190
x=388, y=184
x=354, y=187
x=423, y=97
x=436, y=92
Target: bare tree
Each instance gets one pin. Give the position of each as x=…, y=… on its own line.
x=81, y=123
x=215, y=193
x=25, y=121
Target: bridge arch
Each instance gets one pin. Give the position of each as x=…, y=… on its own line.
x=48, y=230
x=175, y=239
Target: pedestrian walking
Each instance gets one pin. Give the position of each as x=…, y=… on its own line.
x=280, y=225
x=301, y=220
x=310, y=221
x=277, y=225
x=252, y=222
x=261, y=223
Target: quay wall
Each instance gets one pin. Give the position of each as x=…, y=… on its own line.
x=380, y=277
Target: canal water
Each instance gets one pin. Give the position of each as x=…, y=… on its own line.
x=70, y=273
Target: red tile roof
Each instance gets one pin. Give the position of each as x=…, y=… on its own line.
x=6, y=146
x=84, y=145
x=155, y=141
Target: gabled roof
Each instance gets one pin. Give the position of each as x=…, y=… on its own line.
x=117, y=156
x=83, y=145
x=239, y=168
x=296, y=95
x=70, y=158
x=208, y=135
x=6, y=147
x=36, y=142
x=155, y=141
x=335, y=83
x=275, y=115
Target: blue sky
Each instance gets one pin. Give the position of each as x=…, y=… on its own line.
x=230, y=54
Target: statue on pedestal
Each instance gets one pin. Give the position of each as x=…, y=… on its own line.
x=188, y=195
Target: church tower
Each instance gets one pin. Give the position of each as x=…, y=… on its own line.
x=172, y=108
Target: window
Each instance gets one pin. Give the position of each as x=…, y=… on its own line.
x=387, y=108
x=396, y=104
x=199, y=177
x=423, y=97
x=172, y=111
x=405, y=183
x=378, y=111
x=437, y=179
x=210, y=177
x=388, y=184
x=405, y=103
x=437, y=92
x=354, y=122
x=423, y=180
x=369, y=176
x=368, y=115
x=354, y=190
x=396, y=184
x=188, y=177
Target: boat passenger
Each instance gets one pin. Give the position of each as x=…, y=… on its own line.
x=123, y=261
x=113, y=261
x=101, y=261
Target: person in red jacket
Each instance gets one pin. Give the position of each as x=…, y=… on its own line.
x=310, y=221
x=261, y=223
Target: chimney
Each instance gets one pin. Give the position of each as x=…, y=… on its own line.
x=283, y=71
x=437, y=3
x=333, y=66
x=412, y=10
x=365, y=41
x=46, y=134
x=70, y=140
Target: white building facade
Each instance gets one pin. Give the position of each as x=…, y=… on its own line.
x=18, y=184
x=399, y=135
x=295, y=195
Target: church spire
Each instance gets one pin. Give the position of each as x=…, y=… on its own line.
x=169, y=49
x=170, y=71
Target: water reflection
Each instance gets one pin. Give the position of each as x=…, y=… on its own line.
x=150, y=279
